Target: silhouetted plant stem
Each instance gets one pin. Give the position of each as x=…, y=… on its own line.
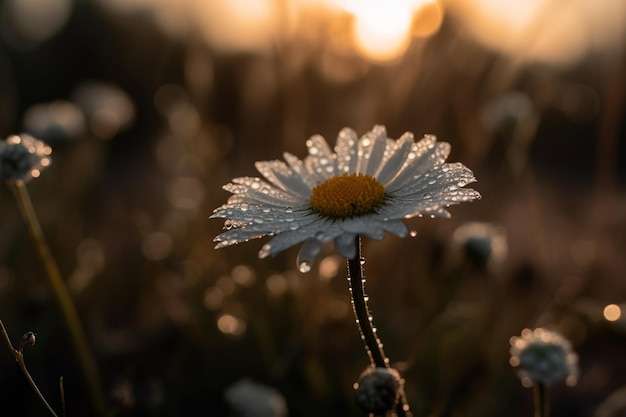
x=364, y=319
x=19, y=357
x=542, y=405
x=70, y=314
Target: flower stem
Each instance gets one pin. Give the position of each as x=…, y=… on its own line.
x=62, y=295
x=19, y=357
x=542, y=405
x=364, y=319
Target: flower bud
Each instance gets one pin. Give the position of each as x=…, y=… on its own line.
x=22, y=157
x=27, y=340
x=544, y=357
x=377, y=391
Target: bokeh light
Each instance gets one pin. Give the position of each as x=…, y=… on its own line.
x=231, y=325
x=54, y=121
x=612, y=312
x=107, y=108
x=546, y=31
x=28, y=22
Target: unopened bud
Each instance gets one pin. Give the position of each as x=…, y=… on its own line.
x=377, y=390
x=27, y=340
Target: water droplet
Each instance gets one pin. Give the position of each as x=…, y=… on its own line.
x=413, y=233
x=304, y=266
x=462, y=183
x=293, y=226
x=362, y=261
x=265, y=251
x=288, y=210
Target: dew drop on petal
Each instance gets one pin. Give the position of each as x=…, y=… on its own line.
x=265, y=251
x=304, y=266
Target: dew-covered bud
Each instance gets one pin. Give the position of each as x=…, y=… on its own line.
x=377, y=391
x=27, y=340
x=22, y=157
x=544, y=357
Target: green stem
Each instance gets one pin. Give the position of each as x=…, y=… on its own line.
x=19, y=357
x=542, y=405
x=373, y=345
x=88, y=363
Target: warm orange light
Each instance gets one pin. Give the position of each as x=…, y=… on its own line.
x=612, y=312
x=241, y=24
x=382, y=29
x=544, y=30
x=427, y=19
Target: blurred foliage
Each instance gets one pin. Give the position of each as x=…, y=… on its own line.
x=145, y=128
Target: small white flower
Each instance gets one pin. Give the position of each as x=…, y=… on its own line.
x=366, y=187
x=545, y=357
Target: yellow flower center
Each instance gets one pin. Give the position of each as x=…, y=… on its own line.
x=346, y=196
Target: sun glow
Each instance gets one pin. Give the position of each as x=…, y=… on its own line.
x=382, y=30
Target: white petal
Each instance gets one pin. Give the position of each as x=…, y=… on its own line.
x=346, y=245
x=278, y=173
x=321, y=162
x=425, y=154
x=374, y=232
x=390, y=167
x=397, y=227
x=261, y=192
x=371, y=150
x=287, y=239
x=298, y=167
x=346, y=149
x=308, y=252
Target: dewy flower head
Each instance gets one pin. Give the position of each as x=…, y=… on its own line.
x=23, y=157
x=365, y=187
x=543, y=356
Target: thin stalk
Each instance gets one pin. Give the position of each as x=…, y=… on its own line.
x=19, y=357
x=70, y=314
x=364, y=319
x=542, y=405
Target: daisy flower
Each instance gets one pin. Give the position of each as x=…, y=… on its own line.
x=365, y=187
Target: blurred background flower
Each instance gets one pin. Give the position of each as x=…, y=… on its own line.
x=152, y=105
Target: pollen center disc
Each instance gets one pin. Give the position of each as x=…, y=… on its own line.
x=347, y=195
